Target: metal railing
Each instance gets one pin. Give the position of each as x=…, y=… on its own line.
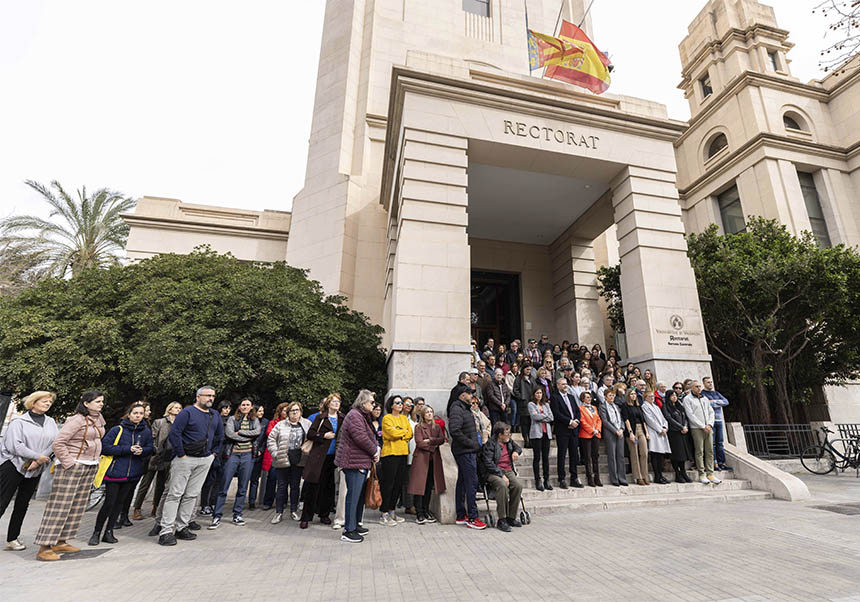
x=848, y=430
x=776, y=441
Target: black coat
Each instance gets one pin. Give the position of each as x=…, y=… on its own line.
x=562, y=416
x=320, y=426
x=680, y=443
x=461, y=426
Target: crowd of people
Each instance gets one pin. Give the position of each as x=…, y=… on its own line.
x=320, y=465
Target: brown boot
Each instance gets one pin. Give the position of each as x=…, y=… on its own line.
x=47, y=554
x=154, y=510
x=136, y=515
x=61, y=547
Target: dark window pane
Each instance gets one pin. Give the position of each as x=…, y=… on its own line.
x=718, y=144
x=813, y=208
x=774, y=60
x=731, y=211
x=706, y=86
x=790, y=123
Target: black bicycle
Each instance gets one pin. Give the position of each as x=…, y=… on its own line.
x=824, y=458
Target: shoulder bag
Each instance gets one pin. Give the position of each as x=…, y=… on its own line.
x=373, y=493
x=104, y=464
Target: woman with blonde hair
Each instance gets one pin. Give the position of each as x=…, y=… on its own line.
x=77, y=448
x=427, y=469
x=25, y=451
x=159, y=463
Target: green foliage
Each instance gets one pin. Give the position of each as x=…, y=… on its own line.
x=81, y=232
x=779, y=313
x=160, y=328
x=609, y=287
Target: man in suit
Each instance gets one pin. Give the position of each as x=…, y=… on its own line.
x=566, y=429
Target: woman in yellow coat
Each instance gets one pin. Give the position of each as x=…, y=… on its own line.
x=396, y=433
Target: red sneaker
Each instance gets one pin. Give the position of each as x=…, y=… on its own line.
x=461, y=521
x=476, y=524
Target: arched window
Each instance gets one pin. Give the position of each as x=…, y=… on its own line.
x=793, y=121
x=717, y=144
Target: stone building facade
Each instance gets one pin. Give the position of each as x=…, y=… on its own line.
x=451, y=195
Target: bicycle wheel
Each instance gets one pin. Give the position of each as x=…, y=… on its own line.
x=818, y=460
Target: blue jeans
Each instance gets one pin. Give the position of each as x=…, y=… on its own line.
x=515, y=419
x=356, y=479
x=236, y=464
x=467, y=485
x=719, y=451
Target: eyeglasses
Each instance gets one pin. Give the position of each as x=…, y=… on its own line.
x=295, y=410
x=397, y=403
x=678, y=387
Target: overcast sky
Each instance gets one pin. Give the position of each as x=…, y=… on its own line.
x=210, y=101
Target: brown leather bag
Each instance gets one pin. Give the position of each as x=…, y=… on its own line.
x=372, y=494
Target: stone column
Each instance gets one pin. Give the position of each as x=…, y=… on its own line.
x=577, y=311
x=663, y=320
x=429, y=274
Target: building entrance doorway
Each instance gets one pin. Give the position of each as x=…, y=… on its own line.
x=496, y=309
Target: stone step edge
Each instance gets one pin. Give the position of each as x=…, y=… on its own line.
x=611, y=492
x=592, y=504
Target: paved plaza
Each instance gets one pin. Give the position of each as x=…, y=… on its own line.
x=760, y=550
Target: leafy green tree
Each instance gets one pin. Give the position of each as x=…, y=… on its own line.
x=162, y=327
x=81, y=232
x=609, y=287
x=779, y=314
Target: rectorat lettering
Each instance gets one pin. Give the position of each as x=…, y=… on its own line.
x=524, y=130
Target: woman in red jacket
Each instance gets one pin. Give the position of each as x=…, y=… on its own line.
x=426, y=465
x=590, y=431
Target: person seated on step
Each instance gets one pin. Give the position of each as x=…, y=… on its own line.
x=497, y=457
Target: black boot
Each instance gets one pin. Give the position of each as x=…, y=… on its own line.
x=679, y=477
x=96, y=536
x=538, y=484
x=124, y=521
x=546, y=485
x=108, y=536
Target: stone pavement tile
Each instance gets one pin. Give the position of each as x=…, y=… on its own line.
x=752, y=551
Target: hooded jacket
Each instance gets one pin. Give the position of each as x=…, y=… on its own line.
x=26, y=440
x=127, y=466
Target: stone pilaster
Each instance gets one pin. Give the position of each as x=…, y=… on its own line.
x=662, y=316
x=577, y=309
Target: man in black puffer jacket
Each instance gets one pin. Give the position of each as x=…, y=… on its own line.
x=465, y=447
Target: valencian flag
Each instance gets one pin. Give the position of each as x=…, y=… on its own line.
x=590, y=71
x=546, y=50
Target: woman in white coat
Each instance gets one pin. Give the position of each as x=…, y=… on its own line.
x=25, y=452
x=658, y=431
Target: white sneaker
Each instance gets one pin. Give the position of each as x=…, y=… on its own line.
x=295, y=516
x=15, y=545
x=714, y=480
x=337, y=524
x=399, y=519
x=387, y=520
x=277, y=518
x=704, y=480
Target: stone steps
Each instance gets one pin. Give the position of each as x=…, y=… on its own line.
x=609, y=491
x=538, y=507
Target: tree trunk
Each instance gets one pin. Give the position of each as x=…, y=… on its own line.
x=759, y=408
x=782, y=401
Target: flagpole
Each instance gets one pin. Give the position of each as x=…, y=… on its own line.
x=585, y=14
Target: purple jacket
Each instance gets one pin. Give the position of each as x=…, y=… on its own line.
x=357, y=441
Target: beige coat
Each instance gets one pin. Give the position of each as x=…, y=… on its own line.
x=80, y=439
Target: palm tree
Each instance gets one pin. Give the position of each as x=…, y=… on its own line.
x=79, y=233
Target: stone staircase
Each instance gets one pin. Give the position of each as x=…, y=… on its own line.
x=590, y=499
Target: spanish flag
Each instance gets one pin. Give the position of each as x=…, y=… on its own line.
x=546, y=50
x=590, y=71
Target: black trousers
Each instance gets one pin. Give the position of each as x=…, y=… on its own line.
x=212, y=484
x=568, y=444
x=14, y=484
x=590, y=449
x=540, y=450
x=319, y=497
x=116, y=493
x=288, y=480
x=391, y=480
x=657, y=463
x=422, y=502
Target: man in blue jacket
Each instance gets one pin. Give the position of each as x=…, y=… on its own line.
x=718, y=402
x=195, y=436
